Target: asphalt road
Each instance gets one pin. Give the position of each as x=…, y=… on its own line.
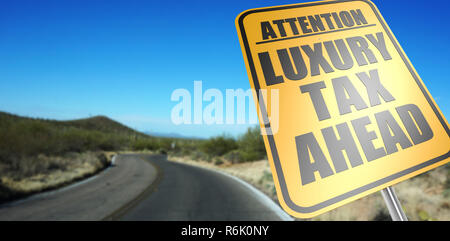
x=148, y=187
x=188, y=193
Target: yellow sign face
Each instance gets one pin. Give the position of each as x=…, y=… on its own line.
x=351, y=115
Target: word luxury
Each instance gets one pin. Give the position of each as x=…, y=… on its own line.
x=347, y=96
x=342, y=58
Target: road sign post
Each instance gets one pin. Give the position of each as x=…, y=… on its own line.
x=393, y=204
x=351, y=117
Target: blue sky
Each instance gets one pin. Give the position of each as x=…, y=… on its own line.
x=73, y=59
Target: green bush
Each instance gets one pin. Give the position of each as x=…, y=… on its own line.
x=217, y=161
x=233, y=156
x=145, y=144
x=248, y=147
x=251, y=145
x=198, y=155
x=218, y=146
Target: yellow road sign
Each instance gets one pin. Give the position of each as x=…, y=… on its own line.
x=351, y=114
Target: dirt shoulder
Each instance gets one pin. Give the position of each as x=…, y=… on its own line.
x=42, y=173
x=425, y=197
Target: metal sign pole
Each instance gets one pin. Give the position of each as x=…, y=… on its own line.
x=391, y=200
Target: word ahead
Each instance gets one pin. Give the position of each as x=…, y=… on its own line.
x=353, y=115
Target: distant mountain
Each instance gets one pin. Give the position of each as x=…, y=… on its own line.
x=103, y=124
x=95, y=123
x=25, y=136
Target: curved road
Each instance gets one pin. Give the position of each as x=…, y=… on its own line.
x=91, y=199
x=148, y=187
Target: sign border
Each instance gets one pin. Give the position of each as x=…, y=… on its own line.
x=284, y=192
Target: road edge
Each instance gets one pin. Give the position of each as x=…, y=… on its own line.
x=265, y=200
x=117, y=214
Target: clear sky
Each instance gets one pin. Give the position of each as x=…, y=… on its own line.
x=76, y=58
